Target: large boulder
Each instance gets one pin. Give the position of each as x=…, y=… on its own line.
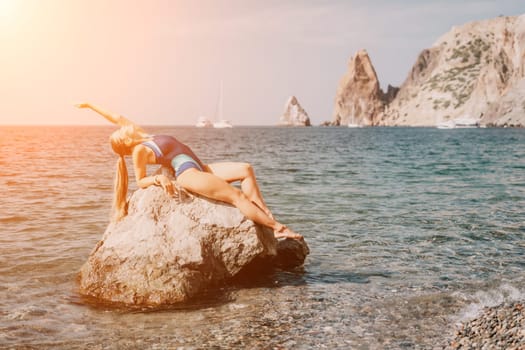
x=168, y=249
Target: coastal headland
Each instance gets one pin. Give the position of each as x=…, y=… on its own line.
x=475, y=71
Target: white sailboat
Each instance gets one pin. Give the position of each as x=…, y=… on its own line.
x=449, y=124
x=466, y=121
x=459, y=123
x=220, y=122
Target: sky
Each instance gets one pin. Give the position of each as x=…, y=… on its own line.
x=162, y=62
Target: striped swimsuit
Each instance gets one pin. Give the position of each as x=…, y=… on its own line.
x=171, y=152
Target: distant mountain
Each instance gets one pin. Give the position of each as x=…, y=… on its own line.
x=475, y=71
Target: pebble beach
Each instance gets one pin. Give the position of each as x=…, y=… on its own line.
x=498, y=327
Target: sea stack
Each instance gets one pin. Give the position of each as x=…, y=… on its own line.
x=359, y=99
x=294, y=114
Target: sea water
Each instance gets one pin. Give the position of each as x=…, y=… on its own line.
x=411, y=230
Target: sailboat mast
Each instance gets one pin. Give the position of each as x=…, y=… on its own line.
x=220, y=103
x=218, y=112
x=220, y=122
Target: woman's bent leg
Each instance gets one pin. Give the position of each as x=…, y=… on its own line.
x=243, y=172
x=214, y=187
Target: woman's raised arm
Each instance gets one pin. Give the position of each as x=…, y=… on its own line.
x=112, y=117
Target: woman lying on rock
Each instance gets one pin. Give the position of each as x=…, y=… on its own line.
x=209, y=180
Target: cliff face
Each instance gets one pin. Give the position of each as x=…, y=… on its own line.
x=358, y=98
x=475, y=71
x=294, y=114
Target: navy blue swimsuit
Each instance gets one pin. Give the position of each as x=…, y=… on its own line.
x=171, y=152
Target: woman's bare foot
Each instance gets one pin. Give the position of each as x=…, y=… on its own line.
x=285, y=232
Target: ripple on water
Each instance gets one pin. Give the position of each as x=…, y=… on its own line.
x=405, y=226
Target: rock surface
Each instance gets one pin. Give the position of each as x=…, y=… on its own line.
x=167, y=250
x=294, y=114
x=475, y=71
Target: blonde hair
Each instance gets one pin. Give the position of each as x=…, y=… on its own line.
x=122, y=142
x=120, y=190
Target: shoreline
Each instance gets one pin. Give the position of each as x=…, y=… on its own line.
x=496, y=327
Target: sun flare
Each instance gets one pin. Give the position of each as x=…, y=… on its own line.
x=7, y=10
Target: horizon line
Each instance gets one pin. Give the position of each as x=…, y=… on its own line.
x=145, y=125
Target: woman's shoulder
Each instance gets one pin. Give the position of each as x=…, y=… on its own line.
x=164, y=139
x=140, y=148
x=161, y=136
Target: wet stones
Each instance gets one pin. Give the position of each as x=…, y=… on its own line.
x=500, y=327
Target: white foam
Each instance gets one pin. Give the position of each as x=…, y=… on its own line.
x=506, y=293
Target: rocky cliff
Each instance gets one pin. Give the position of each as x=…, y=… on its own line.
x=474, y=71
x=359, y=98
x=294, y=114
x=168, y=250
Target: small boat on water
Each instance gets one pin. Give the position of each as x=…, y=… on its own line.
x=223, y=123
x=203, y=122
x=449, y=124
x=466, y=122
x=459, y=123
